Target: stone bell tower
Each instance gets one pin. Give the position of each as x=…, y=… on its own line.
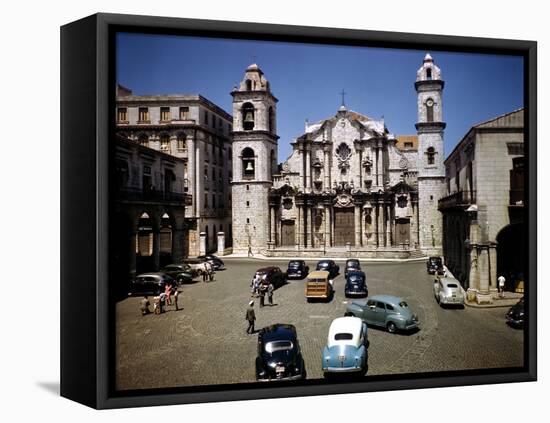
x=254, y=160
x=431, y=170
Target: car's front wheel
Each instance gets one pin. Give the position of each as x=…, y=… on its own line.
x=391, y=327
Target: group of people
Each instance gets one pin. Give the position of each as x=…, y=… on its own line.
x=258, y=288
x=167, y=298
x=207, y=272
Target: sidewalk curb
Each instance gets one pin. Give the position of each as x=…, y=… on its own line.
x=366, y=260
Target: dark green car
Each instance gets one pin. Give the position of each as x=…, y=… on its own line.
x=182, y=273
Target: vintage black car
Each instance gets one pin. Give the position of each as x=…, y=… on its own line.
x=279, y=355
x=181, y=272
x=516, y=315
x=150, y=283
x=273, y=275
x=434, y=266
x=356, y=284
x=216, y=262
x=328, y=265
x=351, y=264
x=297, y=269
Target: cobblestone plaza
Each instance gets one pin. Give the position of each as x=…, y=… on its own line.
x=206, y=343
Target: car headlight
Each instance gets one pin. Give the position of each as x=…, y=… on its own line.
x=272, y=365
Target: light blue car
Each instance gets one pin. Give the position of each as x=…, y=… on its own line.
x=346, y=350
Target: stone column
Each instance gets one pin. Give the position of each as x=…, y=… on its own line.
x=273, y=225
x=191, y=174
x=156, y=248
x=493, y=267
x=202, y=244
x=332, y=226
x=308, y=168
x=387, y=207
x=357, y=225
x=380, y=164
x=310, y=227
x=199, y=181
x=326, y=167
x=326, y=215
x=298, y=233
x=132, y=253
x=416, y=224
x=380, y=228
x=178, y=241
x=221, y=243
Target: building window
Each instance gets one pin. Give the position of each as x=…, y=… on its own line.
x=247, y=220
x=205, y=200
x=271, y=118
x=429, y=110
x=248, y=187
x=429, y=73
x=164, y=143
x=206, y=118
x=430, y=153
x=248, y=204
x=184, y=113
x=408, y=144
x=165, y=114
x=248, y=163
x=248, y=116
x=248, y=85
x=181, y=142
x=143, y=115
x=122, y=115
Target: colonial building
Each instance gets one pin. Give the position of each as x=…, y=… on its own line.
x=195, y=129
x=483, y=222
x=149, y=229
x=347, y=188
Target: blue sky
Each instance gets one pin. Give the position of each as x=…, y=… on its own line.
x=307, y=79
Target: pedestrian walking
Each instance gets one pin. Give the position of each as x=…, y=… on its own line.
x=250, y=251
x=501, y=282
x=270, y=290
x=250, y=317
x=261, y=293
x=209, y=271
x=255, y=284
x=144, y=306
x=162, y=302
x=168, y=292
x=176, y=293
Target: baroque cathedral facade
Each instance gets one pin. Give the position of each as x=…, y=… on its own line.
x=349, y=187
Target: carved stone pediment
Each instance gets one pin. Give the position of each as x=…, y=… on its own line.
x=344, y=200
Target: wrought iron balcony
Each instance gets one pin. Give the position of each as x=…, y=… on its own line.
x=460, y=199
x=151, y=195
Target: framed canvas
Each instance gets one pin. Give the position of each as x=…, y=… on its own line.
x=260, y=211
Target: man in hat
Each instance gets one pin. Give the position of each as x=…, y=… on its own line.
x=250, y=317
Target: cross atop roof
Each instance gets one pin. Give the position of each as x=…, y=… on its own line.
x=343, y=93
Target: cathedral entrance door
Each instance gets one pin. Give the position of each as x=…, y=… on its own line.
x=403, y=231
x=288, y=234
x=344, y=226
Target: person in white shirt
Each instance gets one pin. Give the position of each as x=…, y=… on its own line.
x=501, y=282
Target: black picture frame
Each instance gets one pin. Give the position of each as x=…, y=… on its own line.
x=87, y=87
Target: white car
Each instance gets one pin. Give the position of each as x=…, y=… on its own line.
x=447, y=290
x=346, y=349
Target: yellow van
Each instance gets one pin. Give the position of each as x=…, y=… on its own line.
x=318, y=285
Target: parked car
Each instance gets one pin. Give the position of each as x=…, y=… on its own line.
x=448, y=291
x=279, y=354
x=356, y=284
x=195, y=264
x=346, y=349
x=297, y=269
x=329, y=266
x=387, y=311
x=182, y=272
x=273, y=275
x=351, y=264
x=516, y=315
x=434, y=265
x=216, y=262
x=150, y=283
x=318, y=286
